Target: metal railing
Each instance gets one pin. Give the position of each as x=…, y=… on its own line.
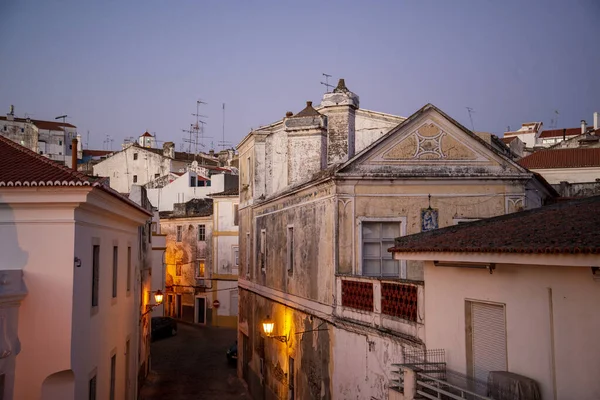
x=432, y=388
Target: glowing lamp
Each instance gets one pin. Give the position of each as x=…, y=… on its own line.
x=268, y=326
x=158, y=297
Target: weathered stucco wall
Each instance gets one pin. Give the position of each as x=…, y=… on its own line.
x=572, y=175
x=370, y=126
x=265, y=362
x=525, y=292
x=186, y=253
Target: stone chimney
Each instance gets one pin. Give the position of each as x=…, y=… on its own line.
x=306, y=143
x=169, y=149
x=340, y=107
x=11, y=114
x=583, y=126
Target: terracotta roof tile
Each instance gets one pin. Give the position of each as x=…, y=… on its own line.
x=308, y=111
x=96, y=153
x=562, y=158
x=559, y=132
x=20, y=166
x=563, y=228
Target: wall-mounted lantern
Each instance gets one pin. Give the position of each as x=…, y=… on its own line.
x=268, y=326
x=158, y=299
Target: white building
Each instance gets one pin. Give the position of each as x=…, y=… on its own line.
x=512, y=299
x=52, y=139
x=528, y=133
x=78, y=246
x=192, y=184
x=140, y=165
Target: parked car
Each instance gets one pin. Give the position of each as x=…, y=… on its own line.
x=162, y=327
x=232, y=354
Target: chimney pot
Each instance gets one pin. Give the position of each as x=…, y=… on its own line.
x=583, y=126
x=289, y=114
x=309, y=103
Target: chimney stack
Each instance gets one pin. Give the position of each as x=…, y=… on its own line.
x=169, y=149
x=583, y=126
x=74, y=154
x=564, y=134
x=596, y=122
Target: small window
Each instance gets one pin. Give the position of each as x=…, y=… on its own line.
x=41, y=152
x=92, y=389
x=236, y=209
x=236, y=256
x=5, y=128
x=113, y=370
x=192, y=181
x=135, y=179
x=60, y=142
x=207, y=183
x=135, y=156
x=128, y=269
x=263, y=250
x=70, y=147
x=156, y=176
x=200, y=273
x=60, y=153
x=95, y=274
x=377, y=237
x=115, y=270
x=178, y=270
x=290, y=250
x=179, y=233
x=201, y=233
x=22, y=130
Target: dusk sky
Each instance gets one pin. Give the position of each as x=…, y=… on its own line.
x=123, y=67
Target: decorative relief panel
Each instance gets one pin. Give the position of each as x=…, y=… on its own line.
x=430, y=142
x=514, y=204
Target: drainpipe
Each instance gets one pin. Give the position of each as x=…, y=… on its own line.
x=74, y=154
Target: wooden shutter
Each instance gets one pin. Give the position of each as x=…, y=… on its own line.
x=488, y=339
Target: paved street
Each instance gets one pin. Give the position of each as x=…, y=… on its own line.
x=192, y=365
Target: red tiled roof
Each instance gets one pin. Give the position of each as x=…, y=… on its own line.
x=146, y=134
x=562, y=158
x=559, y=132
x=563, y=228
x=97, y=153
x=20, y=166
x=50, y=125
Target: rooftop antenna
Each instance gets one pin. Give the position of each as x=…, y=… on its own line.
x=554, y=121
x=223, y=143
x=470, y=111
x=107, y=143
x=326, y=83
x=87, y=140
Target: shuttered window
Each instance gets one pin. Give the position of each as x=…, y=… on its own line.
x=486, y=339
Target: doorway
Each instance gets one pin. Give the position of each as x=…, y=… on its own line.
x=201, y=310
x=178, y=306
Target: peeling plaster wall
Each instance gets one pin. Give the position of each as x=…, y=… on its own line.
x=363, y=364
x=186, y=253
x=268, y=361
x=28, y=138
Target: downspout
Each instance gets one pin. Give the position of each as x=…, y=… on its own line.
x=74, y=154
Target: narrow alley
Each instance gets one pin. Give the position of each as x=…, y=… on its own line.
x=193, y=365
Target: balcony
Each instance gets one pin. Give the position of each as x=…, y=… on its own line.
x=385, y=304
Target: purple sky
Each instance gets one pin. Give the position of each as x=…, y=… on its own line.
x=123, y=67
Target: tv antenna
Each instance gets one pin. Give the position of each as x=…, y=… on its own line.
x=107, y=143
x=554, y=121
x=326, y=83
x=224, y=144
x=470, y=111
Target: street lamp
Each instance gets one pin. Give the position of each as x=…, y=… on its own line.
x=268, y=326
x=158, y=299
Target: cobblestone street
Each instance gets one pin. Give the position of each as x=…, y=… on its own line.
x=192, y=365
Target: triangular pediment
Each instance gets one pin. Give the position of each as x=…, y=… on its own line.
x=431, y=143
